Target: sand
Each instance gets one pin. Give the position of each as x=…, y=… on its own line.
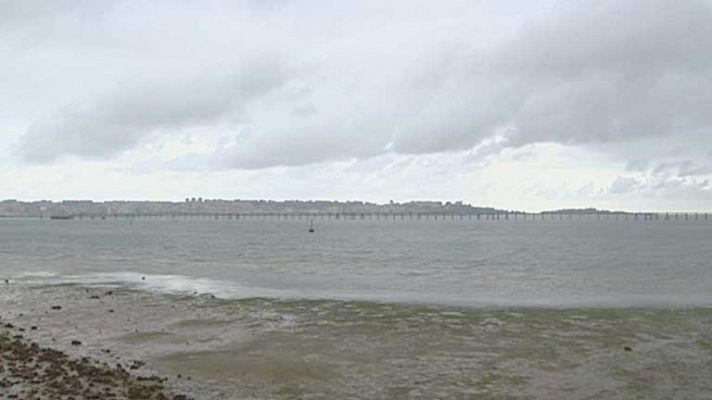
x=29, y=371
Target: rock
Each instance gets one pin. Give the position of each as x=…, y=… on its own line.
x=76, y=343
x=626, y=348
x=136, y=364
x=69, y=379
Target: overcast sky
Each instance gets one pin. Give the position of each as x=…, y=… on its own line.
x=514, y=104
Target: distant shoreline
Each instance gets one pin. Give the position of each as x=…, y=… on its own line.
x=386, y=216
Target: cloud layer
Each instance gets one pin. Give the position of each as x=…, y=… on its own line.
x=252, y=86
x=391, y=81
x=119, y=121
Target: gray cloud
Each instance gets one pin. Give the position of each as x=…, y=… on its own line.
x=681, y=189
x=623, y=185
x=608, y=74
x=611, y=74
x=681, y=182
x=673, y=168
x=605, y=73
x=304, y=143
x=119, y=121
x=30, y=11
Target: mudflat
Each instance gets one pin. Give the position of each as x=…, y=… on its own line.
x=29, y=371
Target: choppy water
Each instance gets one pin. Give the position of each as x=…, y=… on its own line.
x=378, y=309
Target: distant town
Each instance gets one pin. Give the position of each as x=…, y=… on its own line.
x=199, y=205
x=218, y=207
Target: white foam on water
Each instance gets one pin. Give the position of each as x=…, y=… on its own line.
x=35, y=274
x=173, y=284
x=201, y=286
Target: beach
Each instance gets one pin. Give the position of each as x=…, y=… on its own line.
x=28, y=371
x=60, y=368
x=151, y=345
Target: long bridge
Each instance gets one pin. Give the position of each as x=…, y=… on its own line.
x=498, y=216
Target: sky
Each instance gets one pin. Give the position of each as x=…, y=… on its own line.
x=515, y=104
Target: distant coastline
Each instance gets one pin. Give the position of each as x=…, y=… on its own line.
x=68, y=209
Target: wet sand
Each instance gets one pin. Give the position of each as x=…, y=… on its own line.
x=50, y=349
x=28, y=371
x=261, y=348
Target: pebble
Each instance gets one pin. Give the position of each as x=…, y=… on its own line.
x=61, y=377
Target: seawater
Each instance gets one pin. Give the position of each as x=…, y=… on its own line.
x=546, y=263
x=378, y=309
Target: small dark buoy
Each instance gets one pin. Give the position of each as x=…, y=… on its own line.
x=626, y=348
x=143, y=278
x=311, y=227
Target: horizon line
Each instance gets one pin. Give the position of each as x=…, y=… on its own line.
x=374, y=203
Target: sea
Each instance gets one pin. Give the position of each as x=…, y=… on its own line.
x=454, y=308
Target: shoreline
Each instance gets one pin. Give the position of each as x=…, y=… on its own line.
x=118, y=335
x=192, y=287
x=28, y=370
x=215, y=349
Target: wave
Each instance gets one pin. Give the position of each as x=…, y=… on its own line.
x=223, y=289
x=36, y=274
x=172, y=284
